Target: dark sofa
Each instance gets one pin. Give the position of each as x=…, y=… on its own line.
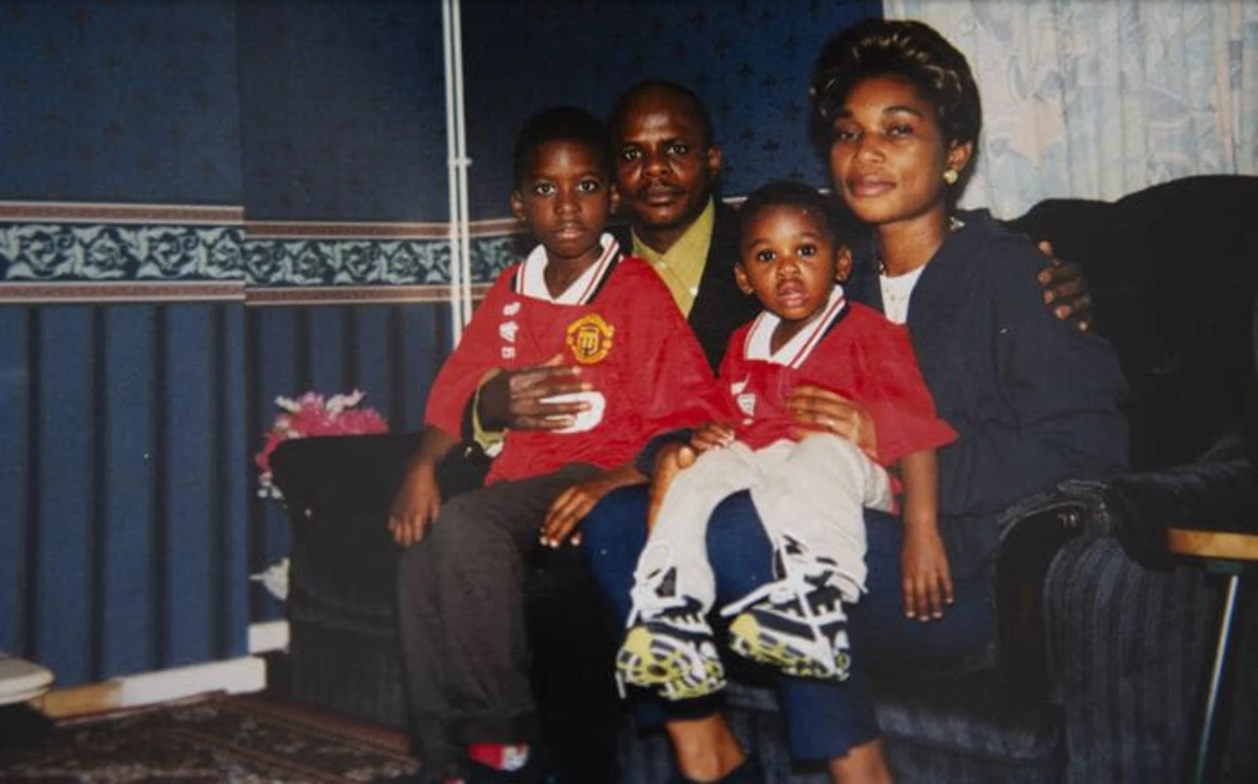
x=1104, y=638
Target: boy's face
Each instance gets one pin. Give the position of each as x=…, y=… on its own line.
x=790, y=262
x=664, y=169
x=565, y=199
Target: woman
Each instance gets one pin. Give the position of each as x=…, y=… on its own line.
x=1033, y=400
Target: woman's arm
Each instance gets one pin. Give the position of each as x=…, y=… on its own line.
x=1054, y=411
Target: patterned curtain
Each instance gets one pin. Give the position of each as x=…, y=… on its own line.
x=1092, y=99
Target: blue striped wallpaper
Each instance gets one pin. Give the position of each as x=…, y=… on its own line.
x=134, y=394
x=124, y=527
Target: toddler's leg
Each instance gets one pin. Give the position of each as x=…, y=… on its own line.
x=811, y=500
x=668, y=646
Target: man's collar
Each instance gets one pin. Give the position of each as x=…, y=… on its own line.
x=698, y=233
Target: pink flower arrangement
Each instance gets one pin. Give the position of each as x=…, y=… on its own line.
x=312, y=415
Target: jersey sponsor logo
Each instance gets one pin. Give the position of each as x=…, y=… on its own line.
x=511, y=308
x=590, y=339
x=508, y=330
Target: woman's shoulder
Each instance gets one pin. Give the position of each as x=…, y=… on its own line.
x=988, y=242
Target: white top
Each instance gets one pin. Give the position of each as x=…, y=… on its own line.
x=896, y=292
x=532, y=278
x=797, y=349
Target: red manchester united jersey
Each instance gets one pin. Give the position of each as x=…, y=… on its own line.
x=618, y=324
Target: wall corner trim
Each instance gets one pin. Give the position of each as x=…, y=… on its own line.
x=233, y=676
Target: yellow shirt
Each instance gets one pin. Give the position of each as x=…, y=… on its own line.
x=681, y=266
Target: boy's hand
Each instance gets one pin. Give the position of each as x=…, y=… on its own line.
x=672, y=459
x=416, y=505
x=927, y=578
x=713, y=435
x=820, y=410
x=515, y=399
x=570, y=508
x=1065, y=290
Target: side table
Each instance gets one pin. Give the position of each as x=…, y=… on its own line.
x=1227, y=553
x=21, y=681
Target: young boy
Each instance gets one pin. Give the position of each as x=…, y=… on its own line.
x=575, y=297
x=808, y=487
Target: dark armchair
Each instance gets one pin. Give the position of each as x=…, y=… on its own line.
x=1100, y=663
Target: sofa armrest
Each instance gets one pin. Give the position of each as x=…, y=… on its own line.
x=337, y=491
x=1129, y=629
x=1033, y=533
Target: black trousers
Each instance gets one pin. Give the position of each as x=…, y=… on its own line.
x=462, y=598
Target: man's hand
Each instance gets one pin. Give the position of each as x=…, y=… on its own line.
x=573, y=504
x=820, y=410
x=927, y=582
x=515, y=399
x=713, y=435
x=1065, y=290
x=416, y=505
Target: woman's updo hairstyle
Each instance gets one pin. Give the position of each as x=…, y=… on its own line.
x=912, y=50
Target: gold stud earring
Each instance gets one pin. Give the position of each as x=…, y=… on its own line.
x=950, y=176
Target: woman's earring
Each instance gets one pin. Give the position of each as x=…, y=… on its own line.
x=950, y=176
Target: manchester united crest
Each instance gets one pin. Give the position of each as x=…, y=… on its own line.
x=590, y=338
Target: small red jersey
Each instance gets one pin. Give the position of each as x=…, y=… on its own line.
x=849, y=349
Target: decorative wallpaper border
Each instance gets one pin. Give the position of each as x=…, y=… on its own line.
x=60, y=252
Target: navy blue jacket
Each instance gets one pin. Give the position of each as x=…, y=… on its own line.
x=1034, y=401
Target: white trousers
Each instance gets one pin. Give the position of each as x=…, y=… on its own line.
x=812, y=490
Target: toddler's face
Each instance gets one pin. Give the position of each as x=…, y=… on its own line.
x=789, y=261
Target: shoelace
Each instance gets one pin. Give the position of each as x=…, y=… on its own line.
x=793, y=584
x=645, y=593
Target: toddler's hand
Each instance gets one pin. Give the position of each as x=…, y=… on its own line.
x=927, y=578
x=712, y=435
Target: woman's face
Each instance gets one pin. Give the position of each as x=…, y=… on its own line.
x=888, y=154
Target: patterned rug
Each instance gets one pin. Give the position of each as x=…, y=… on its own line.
x=249, y=740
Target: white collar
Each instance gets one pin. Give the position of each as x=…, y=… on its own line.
x=797, y=349
x=531, y=279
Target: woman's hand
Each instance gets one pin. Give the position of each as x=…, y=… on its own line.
x=713, y=435
x=570, y=508
x=927, y=578
x=516, y=399
x=1065, y=290
x=820, y=410
x=416, y=504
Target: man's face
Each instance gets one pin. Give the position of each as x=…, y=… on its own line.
x=664, y=170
